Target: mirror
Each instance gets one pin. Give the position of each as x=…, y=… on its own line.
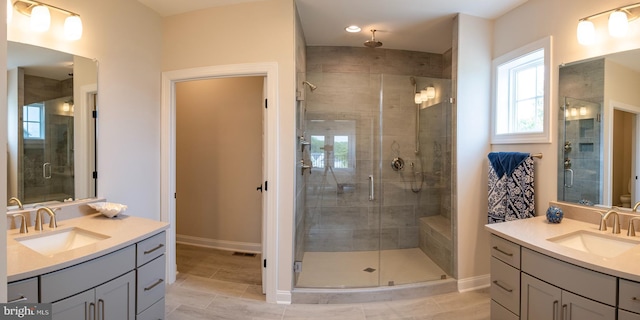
x=598, y=119
x=51, y=99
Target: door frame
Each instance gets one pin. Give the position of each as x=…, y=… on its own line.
x=168, y=159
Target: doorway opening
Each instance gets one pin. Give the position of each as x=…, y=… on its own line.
x=271, y=148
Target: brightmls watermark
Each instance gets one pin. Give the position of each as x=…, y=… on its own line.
x=12, y=311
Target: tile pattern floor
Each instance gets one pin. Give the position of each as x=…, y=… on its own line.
x=213, y=284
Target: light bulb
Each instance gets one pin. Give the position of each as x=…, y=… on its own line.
x=431, y=92
x=73, y=27
x=618, y=24
x=574, y=112
x=66, y=107
x=417, y=98
x=424, y=95
x=586, y=32
x=40, y=18
x=566, y=113
x=583, y=111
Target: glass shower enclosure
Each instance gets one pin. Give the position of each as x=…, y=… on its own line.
x=377, y=197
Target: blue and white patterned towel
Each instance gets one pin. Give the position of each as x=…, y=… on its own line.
x=511, y=196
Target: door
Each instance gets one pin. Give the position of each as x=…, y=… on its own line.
x=116, y=299
x=80, y=306
x=539, y=300
x=575, y=307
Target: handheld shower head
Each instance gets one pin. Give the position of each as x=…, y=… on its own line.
x=311, y=85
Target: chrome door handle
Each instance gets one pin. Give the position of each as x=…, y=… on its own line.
x=371, y=188
x=571, y=183
x=44, y=170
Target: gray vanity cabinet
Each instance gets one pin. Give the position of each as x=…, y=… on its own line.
x=112, y=300
x=23, y=291
x=541, y=301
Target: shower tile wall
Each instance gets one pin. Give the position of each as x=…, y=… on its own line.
x=583, y=81
x=339, y=215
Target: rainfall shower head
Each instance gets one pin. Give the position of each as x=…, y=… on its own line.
x=311, y=85
x=373, y=43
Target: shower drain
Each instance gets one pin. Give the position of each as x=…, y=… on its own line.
x=369, y=270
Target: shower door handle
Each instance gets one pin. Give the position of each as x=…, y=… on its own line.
x=44, y=170
x=371, y=188
x=571, y=178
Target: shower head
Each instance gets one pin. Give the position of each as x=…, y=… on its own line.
x=311, y=85
x=373, y=43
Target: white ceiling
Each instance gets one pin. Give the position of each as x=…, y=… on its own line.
x=419, y=25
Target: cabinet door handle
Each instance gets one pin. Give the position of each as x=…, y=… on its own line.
x=555, y=309
x=564, y=312
x=154, y=249
x=22, y=298
x=502, y=287
x=101, y=302
x=503, y=252
x=371, y=189
x=91, y=315
x=155, y=284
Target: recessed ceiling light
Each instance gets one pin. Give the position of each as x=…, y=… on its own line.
x=353, y=29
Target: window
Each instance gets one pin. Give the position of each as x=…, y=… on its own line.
x=33, y=121
x=521, y=95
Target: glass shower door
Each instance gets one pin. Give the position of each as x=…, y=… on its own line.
x=581, y=152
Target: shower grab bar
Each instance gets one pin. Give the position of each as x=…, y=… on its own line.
x=44, y=170
x=371, y=190
x=570, y=185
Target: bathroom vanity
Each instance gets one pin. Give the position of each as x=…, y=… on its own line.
x=541, y=270
x=117, y=274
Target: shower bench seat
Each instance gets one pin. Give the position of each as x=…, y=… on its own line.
x=435, y=240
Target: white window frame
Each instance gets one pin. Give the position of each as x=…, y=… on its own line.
x=501, y=85
x=41, y=123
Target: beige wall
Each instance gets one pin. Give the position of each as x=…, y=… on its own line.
x=255, y=32
x=218, y=161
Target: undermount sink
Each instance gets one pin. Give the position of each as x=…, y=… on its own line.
x=57, y=241
x=603, y=245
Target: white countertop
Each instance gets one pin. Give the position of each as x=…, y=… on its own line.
x=122, y=230
x=533, y=234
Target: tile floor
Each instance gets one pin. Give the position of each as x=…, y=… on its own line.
x=214, y=284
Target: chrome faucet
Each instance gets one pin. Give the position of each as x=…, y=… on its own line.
x=631, y=232
x=23, y=223
x=616, y=221
x=52, y=218
x=16, y=201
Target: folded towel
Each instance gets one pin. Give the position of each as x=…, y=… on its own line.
x=505, y=162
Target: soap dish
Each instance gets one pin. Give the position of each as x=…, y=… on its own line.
x=108, y=209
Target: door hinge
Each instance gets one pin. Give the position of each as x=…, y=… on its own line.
x=95, y=174
x=265, y=185
x=264, y=263
x=94, y=114
x=266, y=104
x=297, y=266
x=175, y=195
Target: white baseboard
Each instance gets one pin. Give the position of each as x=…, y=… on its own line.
x=283, y=297
x=474, y=283
x=219, y=244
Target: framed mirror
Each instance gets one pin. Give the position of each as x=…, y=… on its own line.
x=51, y=104
x=598, y=130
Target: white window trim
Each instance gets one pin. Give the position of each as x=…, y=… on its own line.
x=537, y=137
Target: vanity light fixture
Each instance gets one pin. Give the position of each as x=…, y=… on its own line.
x=619, y=19
x=41, y=17
x=424, y=95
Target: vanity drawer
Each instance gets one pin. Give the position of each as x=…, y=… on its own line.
x=150, y=248
x=506, y=251
x=499, y=312
x=23, y=291
x=69, y=281
x=591, y=284
x=626, y=315
x=155, y=312
x=629, y=293
x=151, y=283
x=505, y=285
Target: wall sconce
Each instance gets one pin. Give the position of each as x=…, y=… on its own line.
x=619, y=19
x=41, y=17
x=67, y=106
x=424, y=95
